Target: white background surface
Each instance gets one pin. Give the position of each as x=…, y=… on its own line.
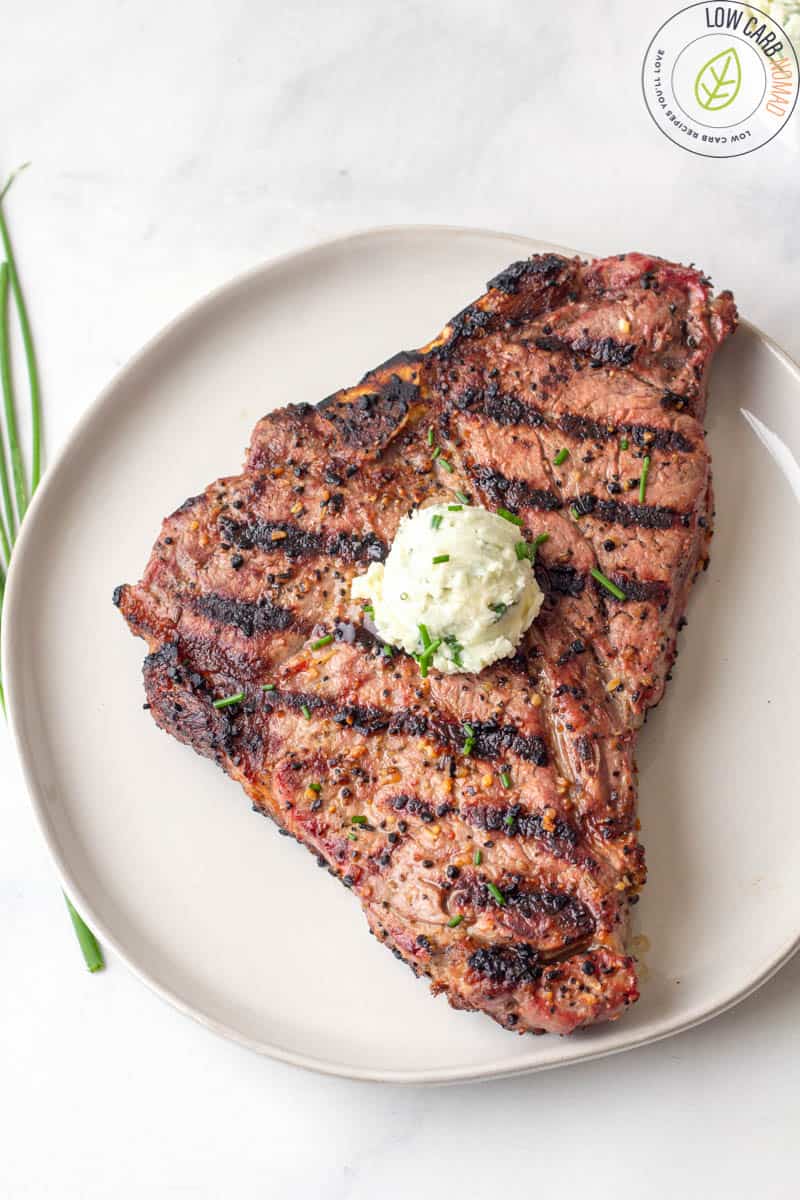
x=173, y=146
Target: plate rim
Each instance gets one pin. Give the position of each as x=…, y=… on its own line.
x=13, y=668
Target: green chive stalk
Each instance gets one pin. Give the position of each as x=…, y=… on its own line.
x=27, y=339
x=5, y=374
x=92, y=953
x=17, y=465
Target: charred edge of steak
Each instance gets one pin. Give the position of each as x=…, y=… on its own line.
x=368, y=421
x=601, y=352
x=547, y=267
x=179, y=699
x=492, y=740
x=514, y=493
x=302, y=543
x=465, y=324
x=507, y=965
x=249, y=616
x=403, y=358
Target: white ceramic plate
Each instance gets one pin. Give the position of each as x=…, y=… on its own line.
x=203, y=900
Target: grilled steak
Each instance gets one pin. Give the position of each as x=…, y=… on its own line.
x=505, y=874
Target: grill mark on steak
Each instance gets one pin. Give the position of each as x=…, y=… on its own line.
x=250, y=617
x=652, y=437
x=644, y=516
x=510, y=966
x=601, y=352
x=616, y=512
x=516, y=493
x=504, y=408
x=559, y=578
x=516, y=821
x=513, y=493
x=571, y=913
x=501, y=407
x=635, y=589
x=491, y=739
x=302, y=543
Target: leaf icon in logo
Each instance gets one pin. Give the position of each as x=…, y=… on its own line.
x=718, y=81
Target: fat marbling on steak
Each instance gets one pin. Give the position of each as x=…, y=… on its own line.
x=505, y=875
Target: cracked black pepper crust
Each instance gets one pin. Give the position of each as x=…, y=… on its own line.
x=486, y=823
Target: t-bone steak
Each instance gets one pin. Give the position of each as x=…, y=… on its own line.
x=506, y=874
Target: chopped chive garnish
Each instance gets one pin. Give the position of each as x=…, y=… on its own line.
x=501, y=609
x=509, y=516
x=427, y=655
x=306, y=711
x=353, y=835
x=522, y=550
x=643, y=478
x=447, y=466
x=436, y=453
x=268, y=687
x=469, y=739
x=357, y=819
x=387, y=650
x=573, y=512
x=425, y=637
x=226, y=700
x=505, y=779
x=451, y=924
x=540, y=540
x=623, y=444
x=369, y=610
x=430, y=436
x=440, y=558
x=323, y=641
x=477, y=858
x=455, y=508
x=561, y=457
x=436, y=520
x=463, y=497
x=495, y=891
x=315, y=787
x=608, y=584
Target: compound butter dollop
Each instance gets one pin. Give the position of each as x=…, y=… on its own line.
x=457, y=588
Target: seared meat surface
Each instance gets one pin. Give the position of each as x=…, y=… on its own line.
x=505, y=873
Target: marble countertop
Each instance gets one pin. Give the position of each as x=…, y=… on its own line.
x=172, y=147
